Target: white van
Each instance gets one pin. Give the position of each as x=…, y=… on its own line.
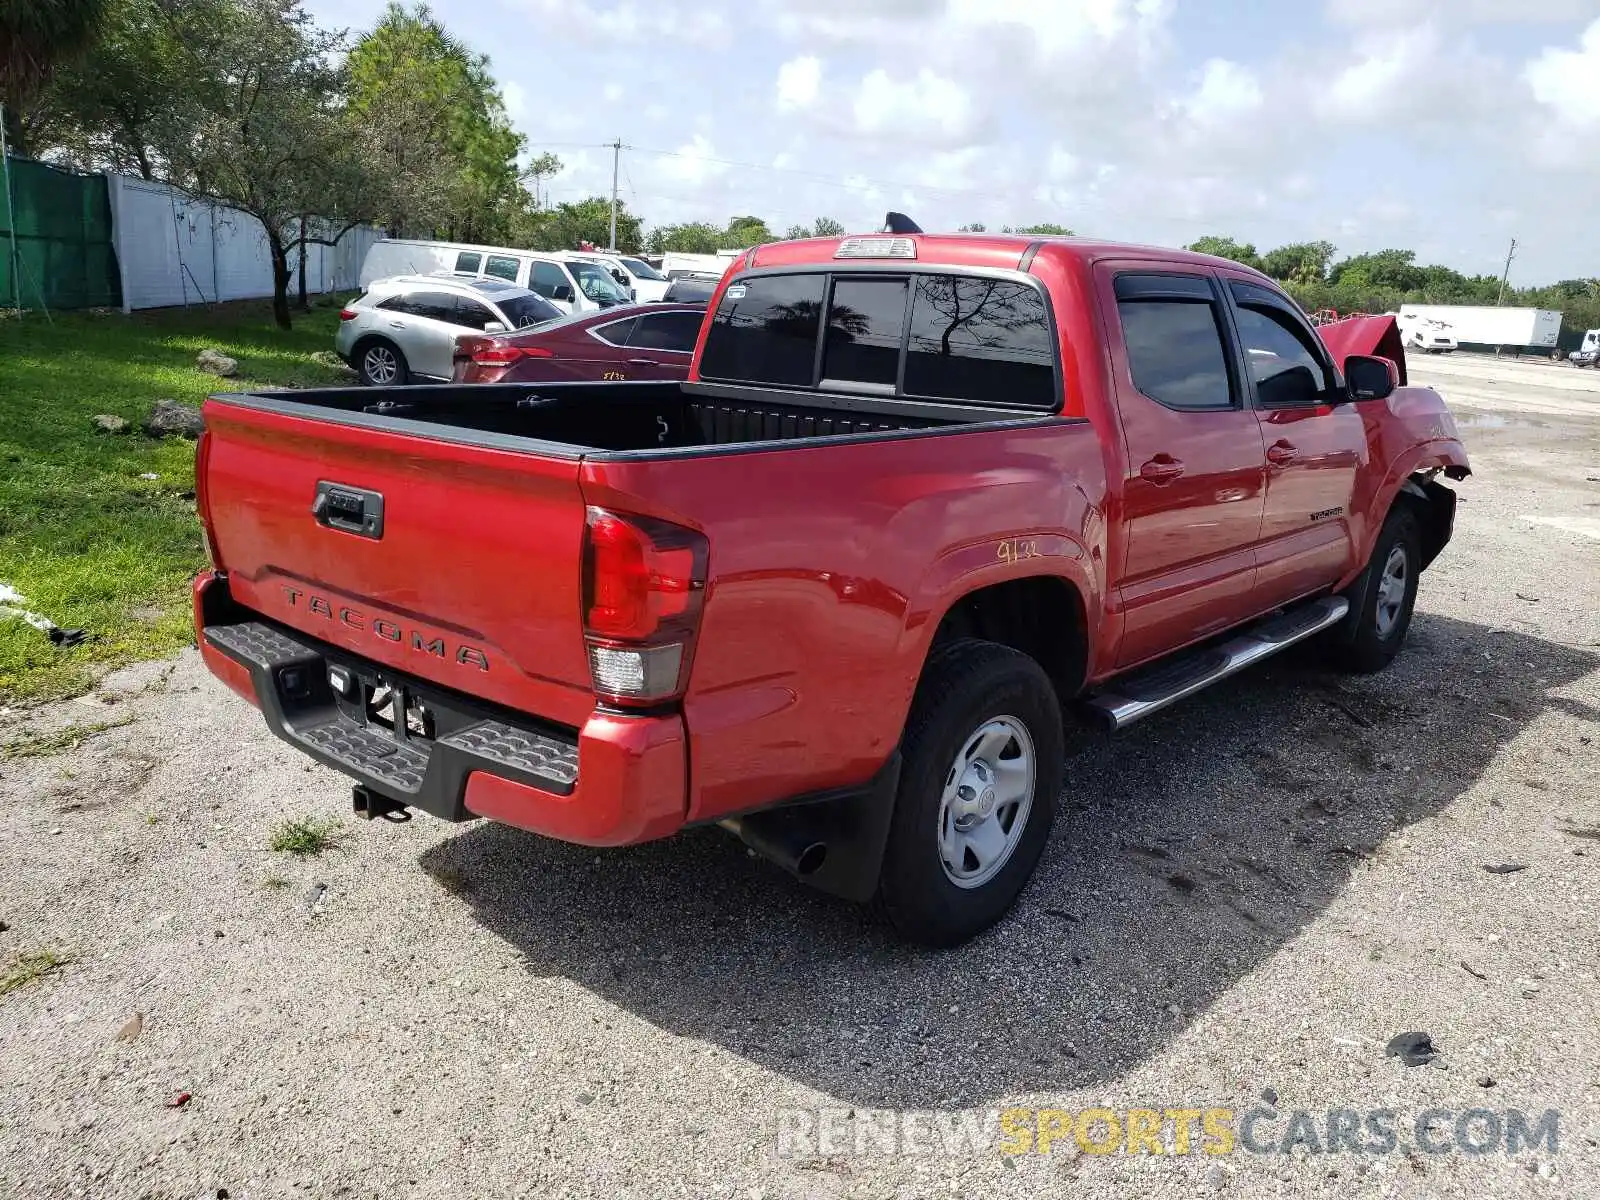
x=634, y=275
x=572, y=286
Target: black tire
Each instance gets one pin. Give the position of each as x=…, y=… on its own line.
x=1373, y=633
x=965, y=686
x=365, y=356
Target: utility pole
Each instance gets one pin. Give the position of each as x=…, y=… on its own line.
x=1510, y=254
x=616, y=159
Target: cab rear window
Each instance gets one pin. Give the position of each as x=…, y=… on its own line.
x=980, y=340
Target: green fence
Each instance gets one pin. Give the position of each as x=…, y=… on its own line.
x=55, y=240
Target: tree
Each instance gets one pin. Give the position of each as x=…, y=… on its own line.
x=564, y=226
x=1394, y=270
x=1301, y=262
x=36, y=37
x=1046, y=229
x=145, y=78
x=429, y=106
x=540, y=168
x=1226, y=247
x=747, y=231
x=271, y=138
x=821, y=227
x=975, y=227
x=696, y=237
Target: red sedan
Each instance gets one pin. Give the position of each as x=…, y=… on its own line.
x=643, y=341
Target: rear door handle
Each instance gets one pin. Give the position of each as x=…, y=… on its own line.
x=1281, y=454
x=397, y=324
x=641, y=362
x=1163, y=468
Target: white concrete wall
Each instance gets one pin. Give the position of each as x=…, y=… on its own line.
x=172, y=249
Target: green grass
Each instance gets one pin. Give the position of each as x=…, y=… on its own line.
x=305, y=837
x=90, y=543
x=29, y=967
x=57, y=741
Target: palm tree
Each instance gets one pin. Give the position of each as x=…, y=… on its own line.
x=35, y=35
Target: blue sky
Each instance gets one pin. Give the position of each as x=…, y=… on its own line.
x=1447, y=126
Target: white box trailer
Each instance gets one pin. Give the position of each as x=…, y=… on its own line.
x=1483, y=327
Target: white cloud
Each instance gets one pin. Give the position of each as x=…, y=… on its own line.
x=928, y=107
x=516, y=100
x=1568, y=81
x=1227, y=92
x=693, y=162
x=1394, y=14
x=613, y=92
x=798, y=82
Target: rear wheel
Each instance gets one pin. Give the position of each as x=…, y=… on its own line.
x=982, y=767
x=1382, y=599
x=381, y=364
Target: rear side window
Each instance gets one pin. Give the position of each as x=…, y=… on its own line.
x=865, y=321
x=765, y=331
x=502, y=266
x=986, y=341
x=666, y=331
x=616, y=332
x=1173, y=335
x=467, y=263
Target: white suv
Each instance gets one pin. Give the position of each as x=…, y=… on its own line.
x=405, y=329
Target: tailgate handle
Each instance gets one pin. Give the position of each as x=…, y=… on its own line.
x=351, y=509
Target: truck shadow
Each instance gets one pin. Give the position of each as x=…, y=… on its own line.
x=1184, y=855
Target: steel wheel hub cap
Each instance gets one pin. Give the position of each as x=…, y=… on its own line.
x=1392, y=590
x=988, y=793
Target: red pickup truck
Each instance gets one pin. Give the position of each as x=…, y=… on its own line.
x=920, y=497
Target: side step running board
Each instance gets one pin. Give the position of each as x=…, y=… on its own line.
x=1131, y=697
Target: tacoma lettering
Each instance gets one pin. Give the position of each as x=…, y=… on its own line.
x=353, y=618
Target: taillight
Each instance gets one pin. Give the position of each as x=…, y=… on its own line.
x=503, y=354
x=348, y=314
x=643, y=588
x=202, y=497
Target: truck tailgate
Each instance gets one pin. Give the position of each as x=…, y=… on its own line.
x=457, y=563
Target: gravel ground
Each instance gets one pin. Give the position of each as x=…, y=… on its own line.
x=1254, y=891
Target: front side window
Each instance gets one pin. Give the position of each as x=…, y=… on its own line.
x=643, y=270
x=502, y=266
x=765, y=331
x=436, y=306
x=597, y=283
x=1175, y=352
x=550, y=281
x=986, y=341
x=467, y=263
x=471, y=314
x=1285, y=370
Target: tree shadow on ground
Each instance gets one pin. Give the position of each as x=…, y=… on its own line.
x=1185, y=852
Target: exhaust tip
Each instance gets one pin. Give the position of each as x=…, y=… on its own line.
x=811, y=859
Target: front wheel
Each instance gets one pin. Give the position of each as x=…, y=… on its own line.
x=982, y=767
x=1382, y=599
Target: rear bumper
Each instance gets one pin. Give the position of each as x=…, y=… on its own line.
x=617, y=781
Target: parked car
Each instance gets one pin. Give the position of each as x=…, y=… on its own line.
x=639, y=342
x=918, y=495
x=637, y=277
x=690, y=289
x=404, y=330
x=572, y=287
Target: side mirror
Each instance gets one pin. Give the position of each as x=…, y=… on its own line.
x=495, y=327
x=564, y=293
x=1369, y=378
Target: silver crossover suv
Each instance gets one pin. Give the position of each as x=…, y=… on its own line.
x=405, y=328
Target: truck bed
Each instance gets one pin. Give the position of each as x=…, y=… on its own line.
x=572, y=420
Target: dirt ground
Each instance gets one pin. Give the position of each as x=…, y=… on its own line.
x=1244, y=900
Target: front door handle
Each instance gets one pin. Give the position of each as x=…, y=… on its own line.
x=1163, y=468
x=1281, y=454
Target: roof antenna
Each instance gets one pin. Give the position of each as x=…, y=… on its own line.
x=900, y=223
